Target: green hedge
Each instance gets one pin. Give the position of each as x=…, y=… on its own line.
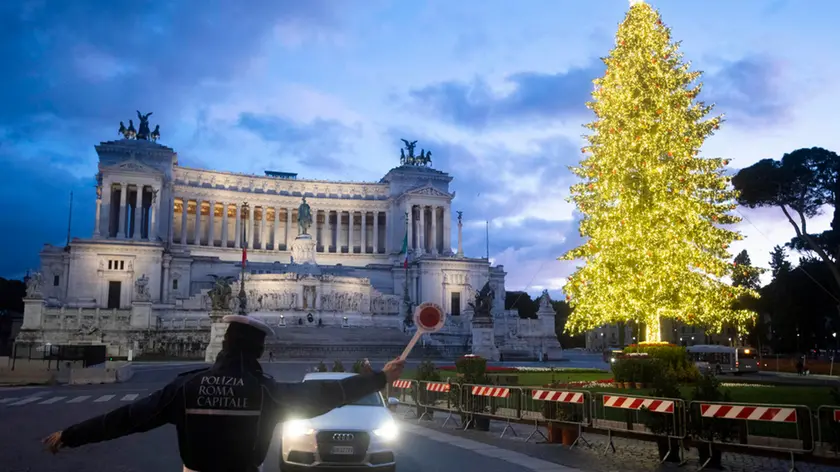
x=673, y=358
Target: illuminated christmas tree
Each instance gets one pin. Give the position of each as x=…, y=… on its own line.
x=653, y=208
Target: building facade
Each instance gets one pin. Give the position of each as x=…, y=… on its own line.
x=163, y=234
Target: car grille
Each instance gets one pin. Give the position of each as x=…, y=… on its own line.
x=360, y=441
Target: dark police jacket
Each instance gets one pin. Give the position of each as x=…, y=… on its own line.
x=225, y=415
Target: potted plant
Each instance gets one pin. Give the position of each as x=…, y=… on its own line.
x=426, y=372
x=472, y=371
x=710, y=430
x=620, y=372
x=665, y=385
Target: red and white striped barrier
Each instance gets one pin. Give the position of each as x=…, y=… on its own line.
x=554, y=396
x=437, y=387
x=497, y=392
x=402, y=384
x=635, y=403
x=752, y=413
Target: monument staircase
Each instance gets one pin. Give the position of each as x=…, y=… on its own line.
x=329, y=343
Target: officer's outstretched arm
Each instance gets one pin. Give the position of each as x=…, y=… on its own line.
x=143, y=415
x=310, y=399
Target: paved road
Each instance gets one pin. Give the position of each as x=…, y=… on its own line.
x=28, y=414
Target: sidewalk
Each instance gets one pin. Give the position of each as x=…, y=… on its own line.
x=630, y=456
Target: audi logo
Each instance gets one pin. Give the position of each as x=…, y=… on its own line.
x=343, y=437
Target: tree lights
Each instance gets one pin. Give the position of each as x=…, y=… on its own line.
x=653, y=208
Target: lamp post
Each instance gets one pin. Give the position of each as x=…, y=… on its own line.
x=242, y=296
x=833, y=354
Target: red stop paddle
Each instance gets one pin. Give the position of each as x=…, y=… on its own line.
x=429, y=318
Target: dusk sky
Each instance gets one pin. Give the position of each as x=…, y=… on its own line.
x=326, y=88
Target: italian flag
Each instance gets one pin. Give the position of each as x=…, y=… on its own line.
x=405, y=250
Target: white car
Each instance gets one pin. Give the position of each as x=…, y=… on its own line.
x=359, y=435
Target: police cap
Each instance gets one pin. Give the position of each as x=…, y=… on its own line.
x=248, y=326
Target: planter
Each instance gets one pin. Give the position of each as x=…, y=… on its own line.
x=639, y=385
x=555, y=433
x=480, y=423
x=569, y=435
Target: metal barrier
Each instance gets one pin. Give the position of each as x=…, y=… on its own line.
x=436, y=396
x=625, y=413
x=406, y=392
x=493, y=402
x=557, y=406
x=792, y=426
x=828, y=431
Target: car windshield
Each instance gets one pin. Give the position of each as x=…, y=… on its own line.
x=372, y=399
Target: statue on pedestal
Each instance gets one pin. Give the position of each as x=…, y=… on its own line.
x=141, y=289
x=221, y=295
x=304, y=217
x=483, y=304
x=33, y=285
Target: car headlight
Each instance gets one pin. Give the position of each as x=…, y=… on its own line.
x=387, y=431
x=297, y=428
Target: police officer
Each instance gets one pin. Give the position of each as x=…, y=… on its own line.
x=225, y=415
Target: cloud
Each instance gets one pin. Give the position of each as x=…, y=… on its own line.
x=320, y=144
x=748, y=90
x=92, y=60
x=73, y=70
x=530, y=96
x=40, y=211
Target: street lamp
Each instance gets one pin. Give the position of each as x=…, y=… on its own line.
x=242, y=296
x=833, y=354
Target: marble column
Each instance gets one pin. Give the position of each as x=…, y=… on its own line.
x=276, y=238
x=262, y=229
x=224, y=224
x=364, y=232
x=350, y=241
x=434, y=231
x=197, y=238
x=389, y=232
x=319, y=231
x=123, y=216
x=170, y=217
x=237, y=237
x=138, y=213
x=96, y=222
x=409, y=225
x=376, y=232
x=185, y=205
x=447, y=229
x=154, y=217
x=164, y=294
x=249, y=230
x=288, y=228
x=421, y=231
x=330, y=247
x=211, y=225
x=107, y=194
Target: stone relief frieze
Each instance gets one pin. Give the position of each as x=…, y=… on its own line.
x=343, y=301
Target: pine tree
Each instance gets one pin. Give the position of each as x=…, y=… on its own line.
x=653, y=208
x=778, y=262
x=744, y=274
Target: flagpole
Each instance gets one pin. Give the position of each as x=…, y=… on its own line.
x=242, y=298
x=406, y=298
x=69, y=218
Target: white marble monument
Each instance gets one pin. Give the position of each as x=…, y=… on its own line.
x=163, y=233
